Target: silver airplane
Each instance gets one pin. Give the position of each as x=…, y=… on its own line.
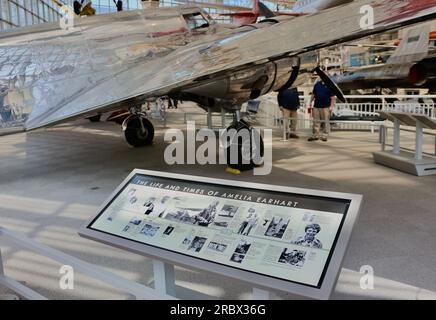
x=121, y=60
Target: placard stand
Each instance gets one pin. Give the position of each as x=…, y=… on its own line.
x=261, y=294
x=164, y=278
x=109, y=227
x=165, y=283
x=415, y=163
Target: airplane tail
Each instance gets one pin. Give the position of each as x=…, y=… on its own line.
x=413, y=47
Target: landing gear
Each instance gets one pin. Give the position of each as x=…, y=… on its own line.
x=244, y=145
x=138, y=130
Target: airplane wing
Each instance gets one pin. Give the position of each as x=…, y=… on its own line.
x=114, y=60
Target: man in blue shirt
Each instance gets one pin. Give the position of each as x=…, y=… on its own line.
x=289, y=102
x=324, y=100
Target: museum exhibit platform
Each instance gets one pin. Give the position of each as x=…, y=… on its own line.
x=411, y=162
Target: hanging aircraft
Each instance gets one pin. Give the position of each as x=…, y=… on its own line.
x=412, y=65
x=312, y=6
x=244, y=15
x=119, y=61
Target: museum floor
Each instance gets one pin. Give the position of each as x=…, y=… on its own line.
x=52, y=180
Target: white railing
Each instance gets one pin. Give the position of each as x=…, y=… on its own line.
x=405, y=103
x=136, y=290
x=269, y=114
x=419, y=108
x=164, y=276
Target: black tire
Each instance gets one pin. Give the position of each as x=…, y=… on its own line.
x=134, y=134
x=96, y=118
x=248, y=151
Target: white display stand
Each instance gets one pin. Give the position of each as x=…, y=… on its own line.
x=258, y=256
x=164, y=283
x=415, y=163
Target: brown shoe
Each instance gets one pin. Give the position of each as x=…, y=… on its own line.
x=293, y=136
x=324, y=139
x=312, y=139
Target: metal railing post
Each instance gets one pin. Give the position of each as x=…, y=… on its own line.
x=122, y=284
x=396, y=136
x=285, y=128
x=209, y=118
x=418, y=141
x=223, y=118
x=382, y=137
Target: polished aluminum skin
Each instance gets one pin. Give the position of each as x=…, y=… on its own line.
x=49, y=75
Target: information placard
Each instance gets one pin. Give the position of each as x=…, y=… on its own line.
x=278, y=237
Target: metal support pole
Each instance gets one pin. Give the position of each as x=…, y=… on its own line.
x=237, y=115
x=223, y=118
x=285, y=128
x=164, y=278
x=260, y=294
x=418, y=141
x=209, y=118
x=164, y=115
x=382, y=137
x=396, y=136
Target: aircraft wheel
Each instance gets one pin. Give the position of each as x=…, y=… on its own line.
x=248, y=144
x=96, y=118
x=137, y=134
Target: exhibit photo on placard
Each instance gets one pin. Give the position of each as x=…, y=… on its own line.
x=292, y=257
x=271, y=234
x=249, y=221
x=192, y=210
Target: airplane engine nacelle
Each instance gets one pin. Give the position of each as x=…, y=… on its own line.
x=247, y=84
x=418, y=74
x=386, y=76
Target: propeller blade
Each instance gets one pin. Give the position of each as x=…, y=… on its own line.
x=265, y=11
x=330, y=84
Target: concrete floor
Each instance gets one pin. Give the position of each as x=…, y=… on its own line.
x=52, y=180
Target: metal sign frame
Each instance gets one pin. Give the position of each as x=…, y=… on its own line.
x=333, y=264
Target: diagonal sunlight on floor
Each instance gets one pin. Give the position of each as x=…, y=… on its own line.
x=349, y=288
x=66, y=174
